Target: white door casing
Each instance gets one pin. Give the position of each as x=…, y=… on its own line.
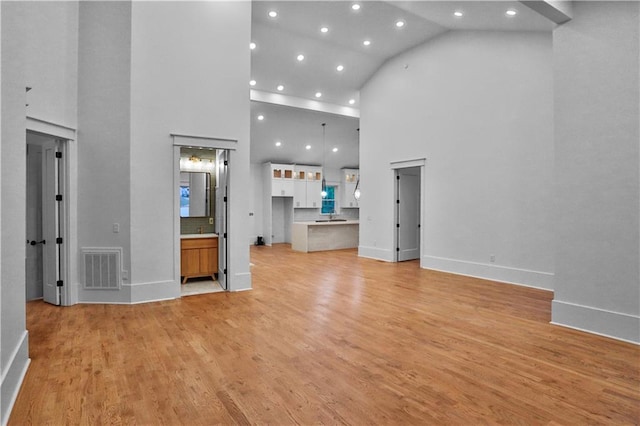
x=408, y=214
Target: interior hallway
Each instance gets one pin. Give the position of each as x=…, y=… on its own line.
x=327, y=337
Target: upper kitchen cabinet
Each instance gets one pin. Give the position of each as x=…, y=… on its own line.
x=349, y=181
x=307, y=187
x=281, y=179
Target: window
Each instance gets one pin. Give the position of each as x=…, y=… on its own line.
x=184, y=201
x=329, y=202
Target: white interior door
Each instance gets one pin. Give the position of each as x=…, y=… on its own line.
x=408, y=213
x=222, y=211
x=51, y=230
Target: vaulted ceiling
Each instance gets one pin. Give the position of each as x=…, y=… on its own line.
x=336, y=62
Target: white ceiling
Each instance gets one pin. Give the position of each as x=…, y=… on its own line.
x=295, y=128
x=296, y=30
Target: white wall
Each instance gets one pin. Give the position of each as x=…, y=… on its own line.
x=189, y=72
x=13, y=335
x=479, y=107
x=256, y=202
x=51, y=55
x=104, y=97
x=279, y=222
x=597, y=155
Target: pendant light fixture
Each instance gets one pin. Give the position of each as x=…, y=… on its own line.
x=324, y=182
x=356, y=192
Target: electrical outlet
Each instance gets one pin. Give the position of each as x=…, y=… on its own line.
x=116, y=228
x=125, y=275
x=492, y=258
x=210, y=221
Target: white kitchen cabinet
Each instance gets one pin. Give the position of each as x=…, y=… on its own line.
x=282, y=180
x=349, y=181
x=307, y=187
x=314, y=187
x=300, y=187
x=277, y=202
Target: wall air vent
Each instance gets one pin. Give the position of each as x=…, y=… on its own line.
x=102, y=270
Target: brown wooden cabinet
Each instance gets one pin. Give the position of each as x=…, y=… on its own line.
x=198, y=257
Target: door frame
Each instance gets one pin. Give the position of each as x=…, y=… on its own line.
x=223, y=159
x=396, y=166
x=65, y=136
x=192, y=141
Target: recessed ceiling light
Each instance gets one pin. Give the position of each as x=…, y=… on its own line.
x=278, y=143
x=355, y=6
x=307, y=147
x=261, y=117
x=324, y=30
x=457, y=13
x=335, y=149
x=340, y=68
x=511, y=12
x=252, y=45
x=318, y=94
x=252, y=83
x=352, y=101
x=273, y=14
x=300, y=58
x=400, y=24
x=366, y=42
x=280, y=88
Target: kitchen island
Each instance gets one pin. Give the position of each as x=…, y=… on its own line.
x=325, y=235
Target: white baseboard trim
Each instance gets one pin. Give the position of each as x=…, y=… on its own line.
x=615, y=325
x=131, y=294
x=523, y=277
x=375, y=253
x=241, y=282
x=13, y=376
x=154, y=291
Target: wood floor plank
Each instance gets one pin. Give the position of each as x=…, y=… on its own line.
x=327, y=337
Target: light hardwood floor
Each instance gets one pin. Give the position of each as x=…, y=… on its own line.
x=327, y=337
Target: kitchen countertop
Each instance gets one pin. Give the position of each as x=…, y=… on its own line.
x=209, y=235
x=340, y=222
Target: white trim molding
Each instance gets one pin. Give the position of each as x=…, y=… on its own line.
x=504, y=274
x=13, y=376
x=180, y=139
x=403, y=164
x=154, y=291
x=616, y=325
x=376, y=253
x=50, y=128
x=241, y=282
x=295, y=102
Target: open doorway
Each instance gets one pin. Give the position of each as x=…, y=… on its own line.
x=408, y=213
x=46, y=218
x=203, y=198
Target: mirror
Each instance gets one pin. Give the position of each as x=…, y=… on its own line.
x=195, y=194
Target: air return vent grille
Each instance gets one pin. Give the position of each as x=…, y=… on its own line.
x=102, y=268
